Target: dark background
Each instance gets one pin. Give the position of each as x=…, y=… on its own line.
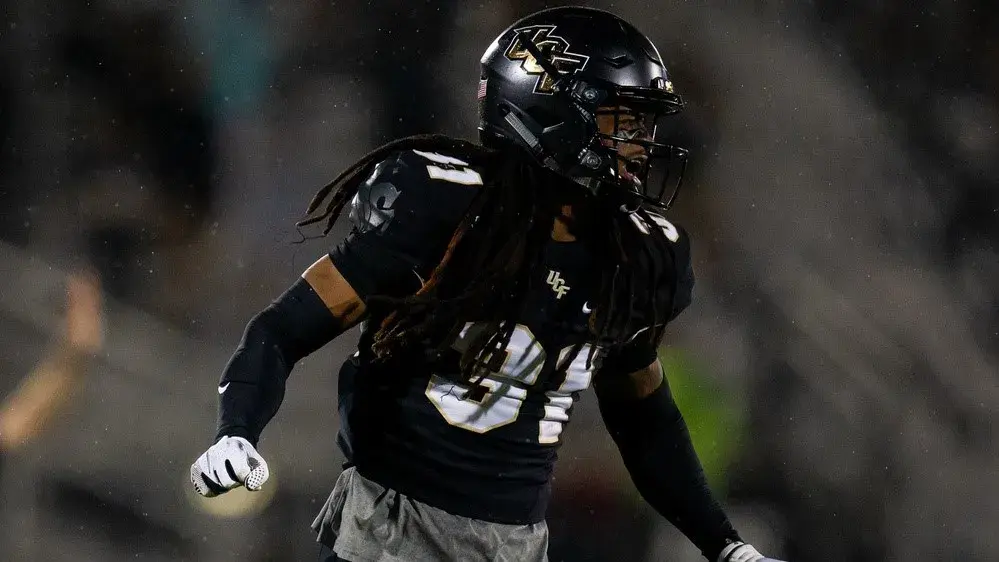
x=838, y=366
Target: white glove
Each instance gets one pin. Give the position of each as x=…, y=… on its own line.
x=742, y=552
x=227, y=464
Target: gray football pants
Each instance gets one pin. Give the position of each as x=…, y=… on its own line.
x=363, y=521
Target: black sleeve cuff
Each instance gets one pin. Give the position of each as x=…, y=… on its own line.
x=236, y=431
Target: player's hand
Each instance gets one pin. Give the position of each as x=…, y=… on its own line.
x=742, y=552
x=227, y=464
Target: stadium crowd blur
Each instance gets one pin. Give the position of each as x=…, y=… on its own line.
x=838, y=367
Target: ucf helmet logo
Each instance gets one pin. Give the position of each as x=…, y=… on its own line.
x=555, y=47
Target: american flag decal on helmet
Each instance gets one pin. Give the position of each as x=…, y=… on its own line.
x=482, y=88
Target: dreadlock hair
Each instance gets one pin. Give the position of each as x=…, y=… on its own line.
x=485, y=272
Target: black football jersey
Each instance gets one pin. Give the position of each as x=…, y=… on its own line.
x=484, y=452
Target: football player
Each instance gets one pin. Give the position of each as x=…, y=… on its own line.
x=493, y=282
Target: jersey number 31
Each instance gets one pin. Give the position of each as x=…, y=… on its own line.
x=502, y=392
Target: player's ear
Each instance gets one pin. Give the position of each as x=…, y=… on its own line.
x=342, y=300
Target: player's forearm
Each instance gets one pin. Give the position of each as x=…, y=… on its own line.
x=669, y=476
x=252, y=386
x=656, y=448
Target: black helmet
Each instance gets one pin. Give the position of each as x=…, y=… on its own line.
x=548, y=76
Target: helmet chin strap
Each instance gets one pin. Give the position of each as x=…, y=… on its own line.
x=591, y=184
x=521, y=129
x=530, y=139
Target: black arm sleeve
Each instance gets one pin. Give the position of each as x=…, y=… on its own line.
x=657, y=451
x=252, y=385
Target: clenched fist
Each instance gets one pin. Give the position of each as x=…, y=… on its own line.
x=229, y=463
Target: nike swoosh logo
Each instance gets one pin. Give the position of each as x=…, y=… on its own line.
x=223, y=387
x=586, y=308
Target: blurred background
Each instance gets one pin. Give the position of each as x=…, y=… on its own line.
x=838, y=367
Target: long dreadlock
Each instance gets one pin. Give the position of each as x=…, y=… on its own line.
x=500, y=240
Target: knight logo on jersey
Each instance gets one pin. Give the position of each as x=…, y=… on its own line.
x=557, y=283
x=550, y=44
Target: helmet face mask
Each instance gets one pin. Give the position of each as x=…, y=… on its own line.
x=645, y=164
x=586, y=94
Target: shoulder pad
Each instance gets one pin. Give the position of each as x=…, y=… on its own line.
x=373, y=205
x=416, y=183
x=678, y=260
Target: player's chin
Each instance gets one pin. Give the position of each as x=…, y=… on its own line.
x=629, y=181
